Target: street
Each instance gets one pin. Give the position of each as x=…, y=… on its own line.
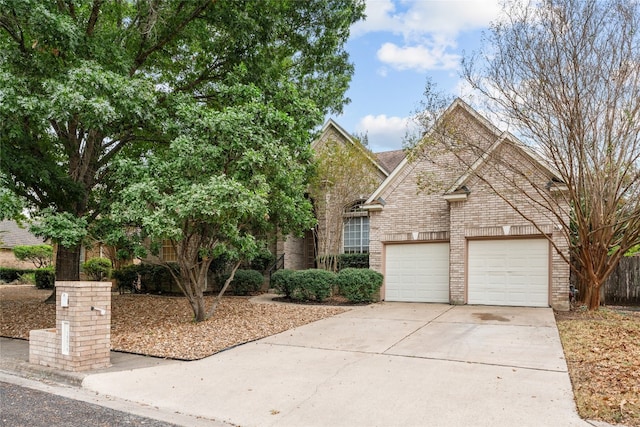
x=22, y=406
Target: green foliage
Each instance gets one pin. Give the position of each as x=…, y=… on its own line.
x=263, y=260
x=86, y=84
x=128, y=275
x=353, y=261
x=63, y=228
x=39, y=255
x=153, y=278
x=313, y=284
x=45, y=278
x=359, y=284
x=12, y=274
x=28, y=278
x=245, y=282
x=283, y=282
x=97, y=268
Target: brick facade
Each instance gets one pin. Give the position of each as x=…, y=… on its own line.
x=506, y=188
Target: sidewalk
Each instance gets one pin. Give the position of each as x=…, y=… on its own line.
x=14, y=359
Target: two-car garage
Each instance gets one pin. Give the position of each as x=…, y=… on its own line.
x=513, y=272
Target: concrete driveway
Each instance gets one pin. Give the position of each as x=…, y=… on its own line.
x=389, y=364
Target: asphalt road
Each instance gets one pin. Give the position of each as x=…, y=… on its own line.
x=22, y=406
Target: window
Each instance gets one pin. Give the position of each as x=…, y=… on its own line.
x=168, y=251
x=356, y=229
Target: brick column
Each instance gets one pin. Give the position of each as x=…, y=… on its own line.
x=82, y=334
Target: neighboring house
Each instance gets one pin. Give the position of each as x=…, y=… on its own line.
x=11, y=235
x=439, y=231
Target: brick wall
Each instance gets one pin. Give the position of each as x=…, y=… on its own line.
x=415, y=206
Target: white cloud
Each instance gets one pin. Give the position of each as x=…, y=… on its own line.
x=429, y=29
x=420, y=57
x=385, y=133
x=421, y=17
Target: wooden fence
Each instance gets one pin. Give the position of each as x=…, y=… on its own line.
x=623, y=286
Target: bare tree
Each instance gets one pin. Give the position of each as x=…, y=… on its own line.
x=565, y=74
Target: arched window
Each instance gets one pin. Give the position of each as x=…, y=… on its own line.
x=356, y=228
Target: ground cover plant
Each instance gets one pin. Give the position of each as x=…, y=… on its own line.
x=602, y=350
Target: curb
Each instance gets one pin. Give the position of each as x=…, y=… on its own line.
x=41, y=373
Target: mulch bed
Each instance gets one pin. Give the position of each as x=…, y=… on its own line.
x=163, y=326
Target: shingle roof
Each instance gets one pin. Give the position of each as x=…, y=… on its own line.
x=390, y=159
x=11, y=234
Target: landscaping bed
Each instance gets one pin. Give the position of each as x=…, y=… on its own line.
x=602, y=350
x=162, y=326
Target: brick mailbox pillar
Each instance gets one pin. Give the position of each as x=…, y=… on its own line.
x=81, y=339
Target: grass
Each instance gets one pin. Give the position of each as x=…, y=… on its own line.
x=602, y=349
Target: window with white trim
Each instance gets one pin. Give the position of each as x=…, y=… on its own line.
x=356, y=229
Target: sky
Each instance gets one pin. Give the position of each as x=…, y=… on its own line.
x=399, y=45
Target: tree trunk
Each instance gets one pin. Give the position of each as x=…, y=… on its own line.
x=68, y=263
x=67, y=267
x=199, y=309
x=592, y=298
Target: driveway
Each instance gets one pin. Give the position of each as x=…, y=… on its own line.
x=389, y=364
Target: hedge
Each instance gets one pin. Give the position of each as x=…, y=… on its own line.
x=97, y=268
x=359, y=284
x=244, y=282
x=283, y=282
x=313, y=284
x=12, y=274
x=353, y=261
x=45, y=278
x=153, y=278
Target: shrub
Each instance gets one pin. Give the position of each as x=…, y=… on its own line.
x=313, y=284
x=153, y=278
x=39, y=255
x=353, y=261
x=28, y=278
x=244, y=282
x=97, y=268
x=263, y=260
x=283, y=282
x=45, y=278
x=359, y=284
x=12, y=274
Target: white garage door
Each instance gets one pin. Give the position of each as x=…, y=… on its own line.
x=509, y=272
x=417, y=272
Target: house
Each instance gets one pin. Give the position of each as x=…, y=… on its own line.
x=11, y=235
x=471, y=216
x=349, y=174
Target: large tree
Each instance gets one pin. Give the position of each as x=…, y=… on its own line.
x=565, y=76
x=231, y=176
x=85, y=82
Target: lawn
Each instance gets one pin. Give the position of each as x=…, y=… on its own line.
x=602, y=350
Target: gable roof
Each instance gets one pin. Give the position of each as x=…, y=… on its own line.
x=390, y=159
x=11, y=234
x=504, y=138
x=385, y=161
x=374, y=200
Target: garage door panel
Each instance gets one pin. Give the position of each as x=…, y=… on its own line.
x=417, y=272
x=508, y=272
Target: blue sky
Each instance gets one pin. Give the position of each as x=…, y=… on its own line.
x=399, y=45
